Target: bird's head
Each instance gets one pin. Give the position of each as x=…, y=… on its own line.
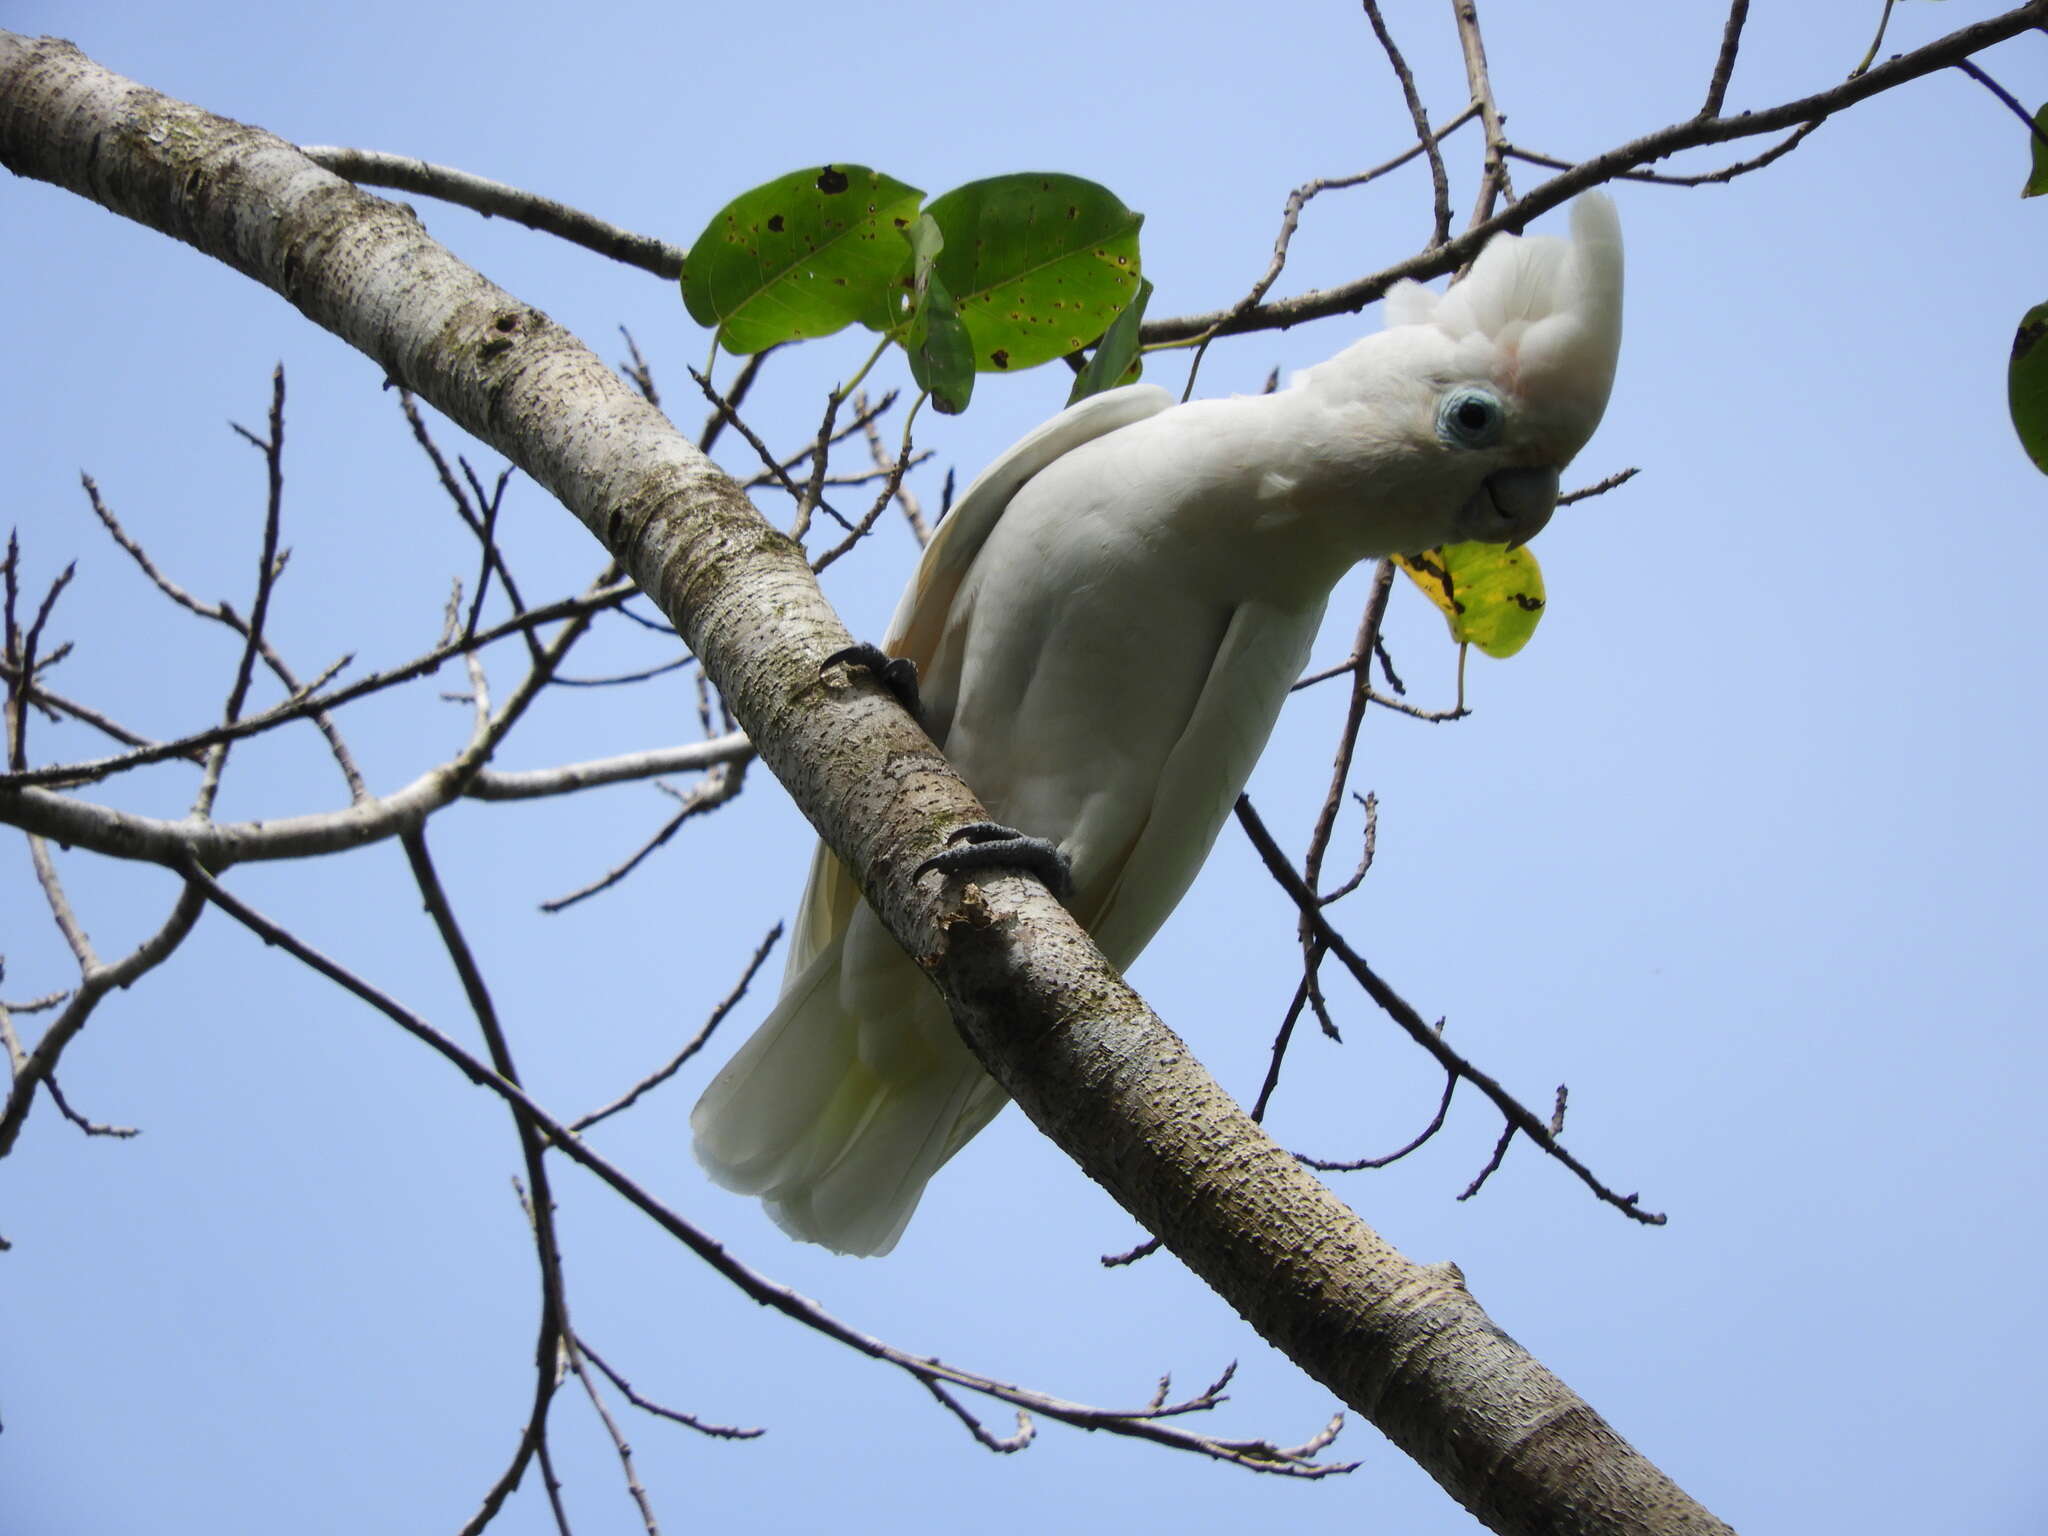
x=1498, y=382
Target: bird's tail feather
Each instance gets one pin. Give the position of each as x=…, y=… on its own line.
x=839, y=1153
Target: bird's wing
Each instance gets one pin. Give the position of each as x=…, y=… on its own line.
x=831, y=896
x=921, y=615
x=1261, y=653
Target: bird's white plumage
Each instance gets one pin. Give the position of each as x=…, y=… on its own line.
x=1105, y=629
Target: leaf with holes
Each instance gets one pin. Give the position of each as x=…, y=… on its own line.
x=1492, y=596
x=803, y=255
x=1039, y=263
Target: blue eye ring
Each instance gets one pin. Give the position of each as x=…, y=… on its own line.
x=1471, y=418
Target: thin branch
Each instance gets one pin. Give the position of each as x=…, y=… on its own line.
x=90, y=1127
x=1727, y=173
x=309, y=700
x=1693, y=133
x=1253, y=1455
x=624, y=679
x=268, y=567
x=726, y=412
x=673, y=1415
x=1493, y=180
x=904, y=459
x=1518, y=1116
x=479, y=519
x=221, y=614
x=1370, y=804
x=1436, y=1123
x=620, y=1447
x=533, y=783
x=913, y=513
x=95, y=981
x=1600, y=487
x=1439, y=181
x=57, y=704
x=1002, y=1445
x=1724, y=62
x=742, y=383
x=540, y=1206
x=696, y=1042
x=641, y=375
x=707, y=796
x=23, y=644
x=1290, y=221
x=372, y=168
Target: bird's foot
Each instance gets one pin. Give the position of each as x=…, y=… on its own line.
x=898, y=674
x=991, y=845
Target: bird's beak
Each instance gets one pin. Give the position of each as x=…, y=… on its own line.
x=1524, y=499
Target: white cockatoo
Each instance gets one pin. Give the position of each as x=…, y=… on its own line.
x=1105, y=629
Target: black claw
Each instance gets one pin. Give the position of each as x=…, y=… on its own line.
x=898, y=674
x=991, y=845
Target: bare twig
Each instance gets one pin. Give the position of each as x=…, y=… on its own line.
x=903, y=460
x=673, y=1415
x=1726, y=173
x=620, y=1447
x=533, y=783
x=1724, y=61
x=1518, y=1116
x=1493, y=179
x=726, y=412
x=1355, y=1165
x=715, y=791
x=888, y=463
x=21, y=646
x=742, y=383
x=372, y=168
x=268, y=568
x=95, y=981
x=308, y=700
x=1253, y=1455
x=540, y=1205
x=642, y=376
x=90, y=1127
x=623, y=679
x=219, y=613
x=479, y=517
x=1693, y=133
x=696, y=1042
x=1290, y=221
x=1440, y=183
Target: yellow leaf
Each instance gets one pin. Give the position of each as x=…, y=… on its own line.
x=1491, y=595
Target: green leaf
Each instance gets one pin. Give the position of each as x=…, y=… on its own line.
x=1039, y=263
x=803, y=255
x=2026, y=385
x=2037, y=182
x=941, y=355
x=1491, y=595
x=1116, y=358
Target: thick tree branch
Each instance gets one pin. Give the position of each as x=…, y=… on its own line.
x=1403, y=1343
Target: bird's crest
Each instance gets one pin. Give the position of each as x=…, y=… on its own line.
x=1543, y=313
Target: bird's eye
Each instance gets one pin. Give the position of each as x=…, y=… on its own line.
x=1471, y=418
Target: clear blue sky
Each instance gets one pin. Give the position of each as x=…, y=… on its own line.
x=1746, y=847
